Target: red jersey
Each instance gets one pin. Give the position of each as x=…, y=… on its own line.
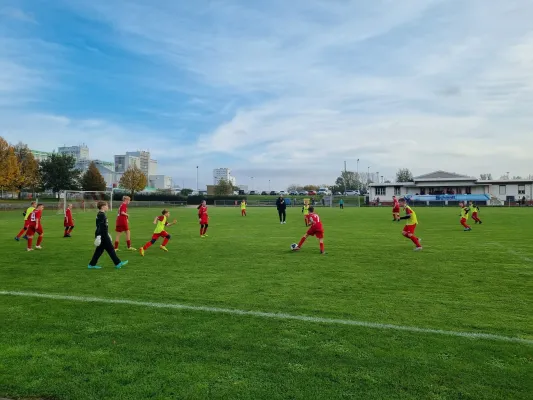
x=122, y=219
x=315, y=222
x=68, y=217
x=202, y=214
x=35, y=218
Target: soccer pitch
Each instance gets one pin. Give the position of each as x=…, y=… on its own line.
x=238, y=316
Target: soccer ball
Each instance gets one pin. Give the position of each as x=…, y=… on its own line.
x=294, y=246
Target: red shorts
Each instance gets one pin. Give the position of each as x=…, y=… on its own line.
x=68, y=223
x=122, y=228
x=474, y=215
x=32, y=231
x=156, y=236
x=396, y=210
x=409, y=229
x=319, y=234
x=204, y=221
x=26, y=223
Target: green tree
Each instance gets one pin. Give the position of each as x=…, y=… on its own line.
x=29, y=168
x=485, y=177
x=92, y=180
x=58, y=173
x=134, y=180
x=404, y=175
x=186, y=192
x=348, y=180
x=310, y=187
x=223, y=187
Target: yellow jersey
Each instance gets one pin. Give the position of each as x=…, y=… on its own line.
x=306, y=209
x=464, y=212
x=243, y=205
x=413, y=220
x=28, y=212
x=161, y=224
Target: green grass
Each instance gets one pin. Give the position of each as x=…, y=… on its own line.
x=479, y=281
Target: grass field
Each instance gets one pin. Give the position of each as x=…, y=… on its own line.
x=462, y=283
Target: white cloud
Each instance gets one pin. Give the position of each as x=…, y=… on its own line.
x=419, y=84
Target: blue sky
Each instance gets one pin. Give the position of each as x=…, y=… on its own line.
x=282, y=91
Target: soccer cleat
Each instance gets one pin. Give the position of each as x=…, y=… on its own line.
x=93, y=267
x=296, y=248
x=206, y=235
x=141, y=250
x=25, y=237
x=418, y=248
x=163, y=248
x=17, y=239
x=121, y=264
x=38, y=247
x=323, y=252
x=29, y=249
x=132, y=249
x=468, y=229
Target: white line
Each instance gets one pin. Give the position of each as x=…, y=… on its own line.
x=281, y=316
x=511, y=251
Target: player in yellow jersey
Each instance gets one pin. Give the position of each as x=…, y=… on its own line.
x=161, y=224
x=474, y=209
x=26, y=215
x=464, y=216
x=243, y=208
x=410, y=224
x=305, y=211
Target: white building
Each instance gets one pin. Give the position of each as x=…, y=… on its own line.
x=147, y=165
x=78, y=152
x=446, y=186
x=160, y=182
x=223, y=173
x=40, y=155
x=123, y=162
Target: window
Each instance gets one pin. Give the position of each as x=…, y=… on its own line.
x=397, y=191
x=380, y=191
x=521, y=189
x=503, y=189
x=468, y=190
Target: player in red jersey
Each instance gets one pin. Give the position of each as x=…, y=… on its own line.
x=203, y=218
x=395, y=210
x=35, y=226
x=68, y=222
x=316, y=229
x=122, y=224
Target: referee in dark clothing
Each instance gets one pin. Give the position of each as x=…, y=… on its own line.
x=102, y=232
x=282, y=209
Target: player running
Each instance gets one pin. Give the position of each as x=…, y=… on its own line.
x=316, y=229
x=161, y=223
x=243, y=208
x=26, y=215
x=410, y=224
x=68, y=223
x=464, y=216
x=35, y=227
x=203, y=219
x=395, y=210
x=475, y=211
x=122, y=224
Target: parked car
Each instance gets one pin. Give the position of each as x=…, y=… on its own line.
x=282, y=193
x=353, y=193
x=273, y=193
x=253, y=193
x=241, y=193
x=302, y=193
x=311, y=193
x=324, y=191
x=293, y=193
x=264, y=193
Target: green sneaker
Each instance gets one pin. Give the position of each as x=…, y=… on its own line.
x=121, y=264
x=94, y=267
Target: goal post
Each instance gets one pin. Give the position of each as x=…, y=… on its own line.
x=84, y=200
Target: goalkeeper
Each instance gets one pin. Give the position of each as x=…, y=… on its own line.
x=103, y=239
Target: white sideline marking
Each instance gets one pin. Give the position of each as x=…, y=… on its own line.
x=281, y=316
x=513, y=252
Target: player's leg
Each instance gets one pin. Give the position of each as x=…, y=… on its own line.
x=30, y=239
x=71, y=228
x=128, y=239
x=108, y=247
x=205, y=229
x=65, y=234
x=96, y=256
x=149, y=244
x=280, y=217
x=22, y=231
x=284, y=216
x=320, y=237
x=117, y=237
x=302, y=241
x=165, y=241
x=39, y=240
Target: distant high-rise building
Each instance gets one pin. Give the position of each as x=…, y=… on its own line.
x=80, y=152
x=223, y=173
x=147, y=165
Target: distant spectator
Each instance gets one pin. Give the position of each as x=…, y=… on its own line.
x=341, y=204
x=282, y=209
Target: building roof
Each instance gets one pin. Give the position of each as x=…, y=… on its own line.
x=442, y=175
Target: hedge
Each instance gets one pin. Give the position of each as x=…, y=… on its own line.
x=173, y=197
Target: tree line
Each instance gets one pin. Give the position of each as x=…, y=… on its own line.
x=20, y=172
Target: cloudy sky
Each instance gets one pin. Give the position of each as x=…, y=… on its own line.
x=280, y=90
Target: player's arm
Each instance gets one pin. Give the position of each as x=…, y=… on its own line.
x=172, y=223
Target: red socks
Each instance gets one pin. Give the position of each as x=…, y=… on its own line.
x=21, y=233
x=128, y=242
x=165, y=242
x=416, y=241
x=40, y=240
x=463, y=222
x=116, y=245
x=302, y=241
x=147, y=245
x=30, y=242
x=322, y=247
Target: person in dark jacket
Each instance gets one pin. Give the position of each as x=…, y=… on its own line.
x=282, y=209
x=103, y=240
